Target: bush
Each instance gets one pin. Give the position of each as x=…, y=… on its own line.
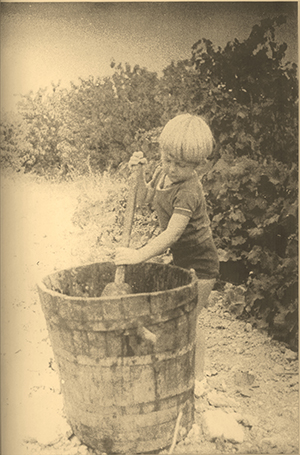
x=253, y=207
x=90, y=127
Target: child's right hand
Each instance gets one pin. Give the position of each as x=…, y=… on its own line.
x=137, y=158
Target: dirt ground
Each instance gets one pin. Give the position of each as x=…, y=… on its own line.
x=247, y=375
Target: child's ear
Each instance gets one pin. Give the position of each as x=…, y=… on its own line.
x=204, y=167
x=198, y=169
x=203, y=162
x=199, y=166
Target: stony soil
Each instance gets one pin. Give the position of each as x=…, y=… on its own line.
x=249, y=379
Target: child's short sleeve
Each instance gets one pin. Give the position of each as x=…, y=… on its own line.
x=186, y=203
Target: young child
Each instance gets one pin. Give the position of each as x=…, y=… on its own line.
x=177, y=196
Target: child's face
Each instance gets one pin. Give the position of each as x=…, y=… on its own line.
x=176, y=170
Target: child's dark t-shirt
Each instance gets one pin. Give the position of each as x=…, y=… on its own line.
x=185, y=198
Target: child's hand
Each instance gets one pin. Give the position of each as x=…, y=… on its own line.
x=127, y=256
x=137, y=158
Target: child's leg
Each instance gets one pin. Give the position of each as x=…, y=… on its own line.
x=204, y=289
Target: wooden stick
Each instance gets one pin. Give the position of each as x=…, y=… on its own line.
x=175, y=432
x=128, y=218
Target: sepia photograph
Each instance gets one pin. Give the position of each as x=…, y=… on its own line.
x=149, y=228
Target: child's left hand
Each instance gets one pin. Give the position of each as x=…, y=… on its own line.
x=127, y=256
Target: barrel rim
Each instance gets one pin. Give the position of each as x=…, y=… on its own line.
x=41, y=285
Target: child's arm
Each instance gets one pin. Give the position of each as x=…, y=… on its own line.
x=158, y=245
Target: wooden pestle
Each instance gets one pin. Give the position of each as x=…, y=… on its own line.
x=119, y=287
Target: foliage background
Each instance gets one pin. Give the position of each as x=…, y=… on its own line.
x=248, y=95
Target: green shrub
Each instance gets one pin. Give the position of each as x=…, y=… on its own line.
x=254, y=211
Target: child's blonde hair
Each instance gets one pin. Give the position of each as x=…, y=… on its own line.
x=187, y=138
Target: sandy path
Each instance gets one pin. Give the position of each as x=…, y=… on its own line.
x=36, y=237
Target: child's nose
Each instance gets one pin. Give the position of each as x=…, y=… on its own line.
x=172, y=167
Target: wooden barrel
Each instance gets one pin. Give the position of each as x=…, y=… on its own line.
x=122, y=390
